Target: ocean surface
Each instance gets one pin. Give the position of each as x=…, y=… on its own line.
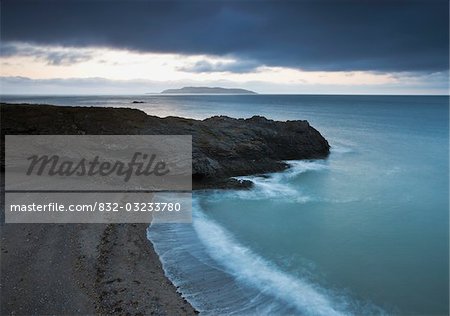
x=363, y=232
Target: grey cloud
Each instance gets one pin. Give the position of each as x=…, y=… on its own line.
x=66, y=58
x=52, y=56
x=238, y=66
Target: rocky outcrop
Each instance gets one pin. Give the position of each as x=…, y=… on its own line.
x=223, y=147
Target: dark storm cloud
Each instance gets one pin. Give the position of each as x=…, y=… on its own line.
x=312, y=35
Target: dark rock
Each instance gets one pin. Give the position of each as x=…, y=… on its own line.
x=138, y=102
x=223, y=147
x=227, y=183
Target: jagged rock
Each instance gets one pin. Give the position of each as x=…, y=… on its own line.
x=223, y=147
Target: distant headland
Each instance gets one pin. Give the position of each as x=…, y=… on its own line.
x=207, y=90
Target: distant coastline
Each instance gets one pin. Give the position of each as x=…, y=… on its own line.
x=207, y=90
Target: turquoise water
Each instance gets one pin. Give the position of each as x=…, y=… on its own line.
x=362, y=232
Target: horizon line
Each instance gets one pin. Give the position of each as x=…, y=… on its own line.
x=217, y=94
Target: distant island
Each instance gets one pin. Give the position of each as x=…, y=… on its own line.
x=207, y=90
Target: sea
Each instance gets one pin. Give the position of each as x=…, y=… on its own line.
x=363, y=232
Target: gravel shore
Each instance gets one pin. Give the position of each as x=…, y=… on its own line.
x=84, y=269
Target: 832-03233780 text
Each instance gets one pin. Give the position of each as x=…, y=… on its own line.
x=99, y=207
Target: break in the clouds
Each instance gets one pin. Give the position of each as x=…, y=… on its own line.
x=406, y=84
x=397, y=35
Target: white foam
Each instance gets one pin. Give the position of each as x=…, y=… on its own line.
x=212, y=258
x=248, y=267
x=278, y=185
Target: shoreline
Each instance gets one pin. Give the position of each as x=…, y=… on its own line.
x=84, y=269
x=113, y=268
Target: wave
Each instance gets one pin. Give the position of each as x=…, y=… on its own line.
x=219, y=275
x=281, y=186
x=277, y=185
x=248, y=267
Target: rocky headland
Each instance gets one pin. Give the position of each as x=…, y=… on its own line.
x=222, y=147
x=112, y=269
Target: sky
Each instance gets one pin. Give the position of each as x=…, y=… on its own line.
x=295, y=46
